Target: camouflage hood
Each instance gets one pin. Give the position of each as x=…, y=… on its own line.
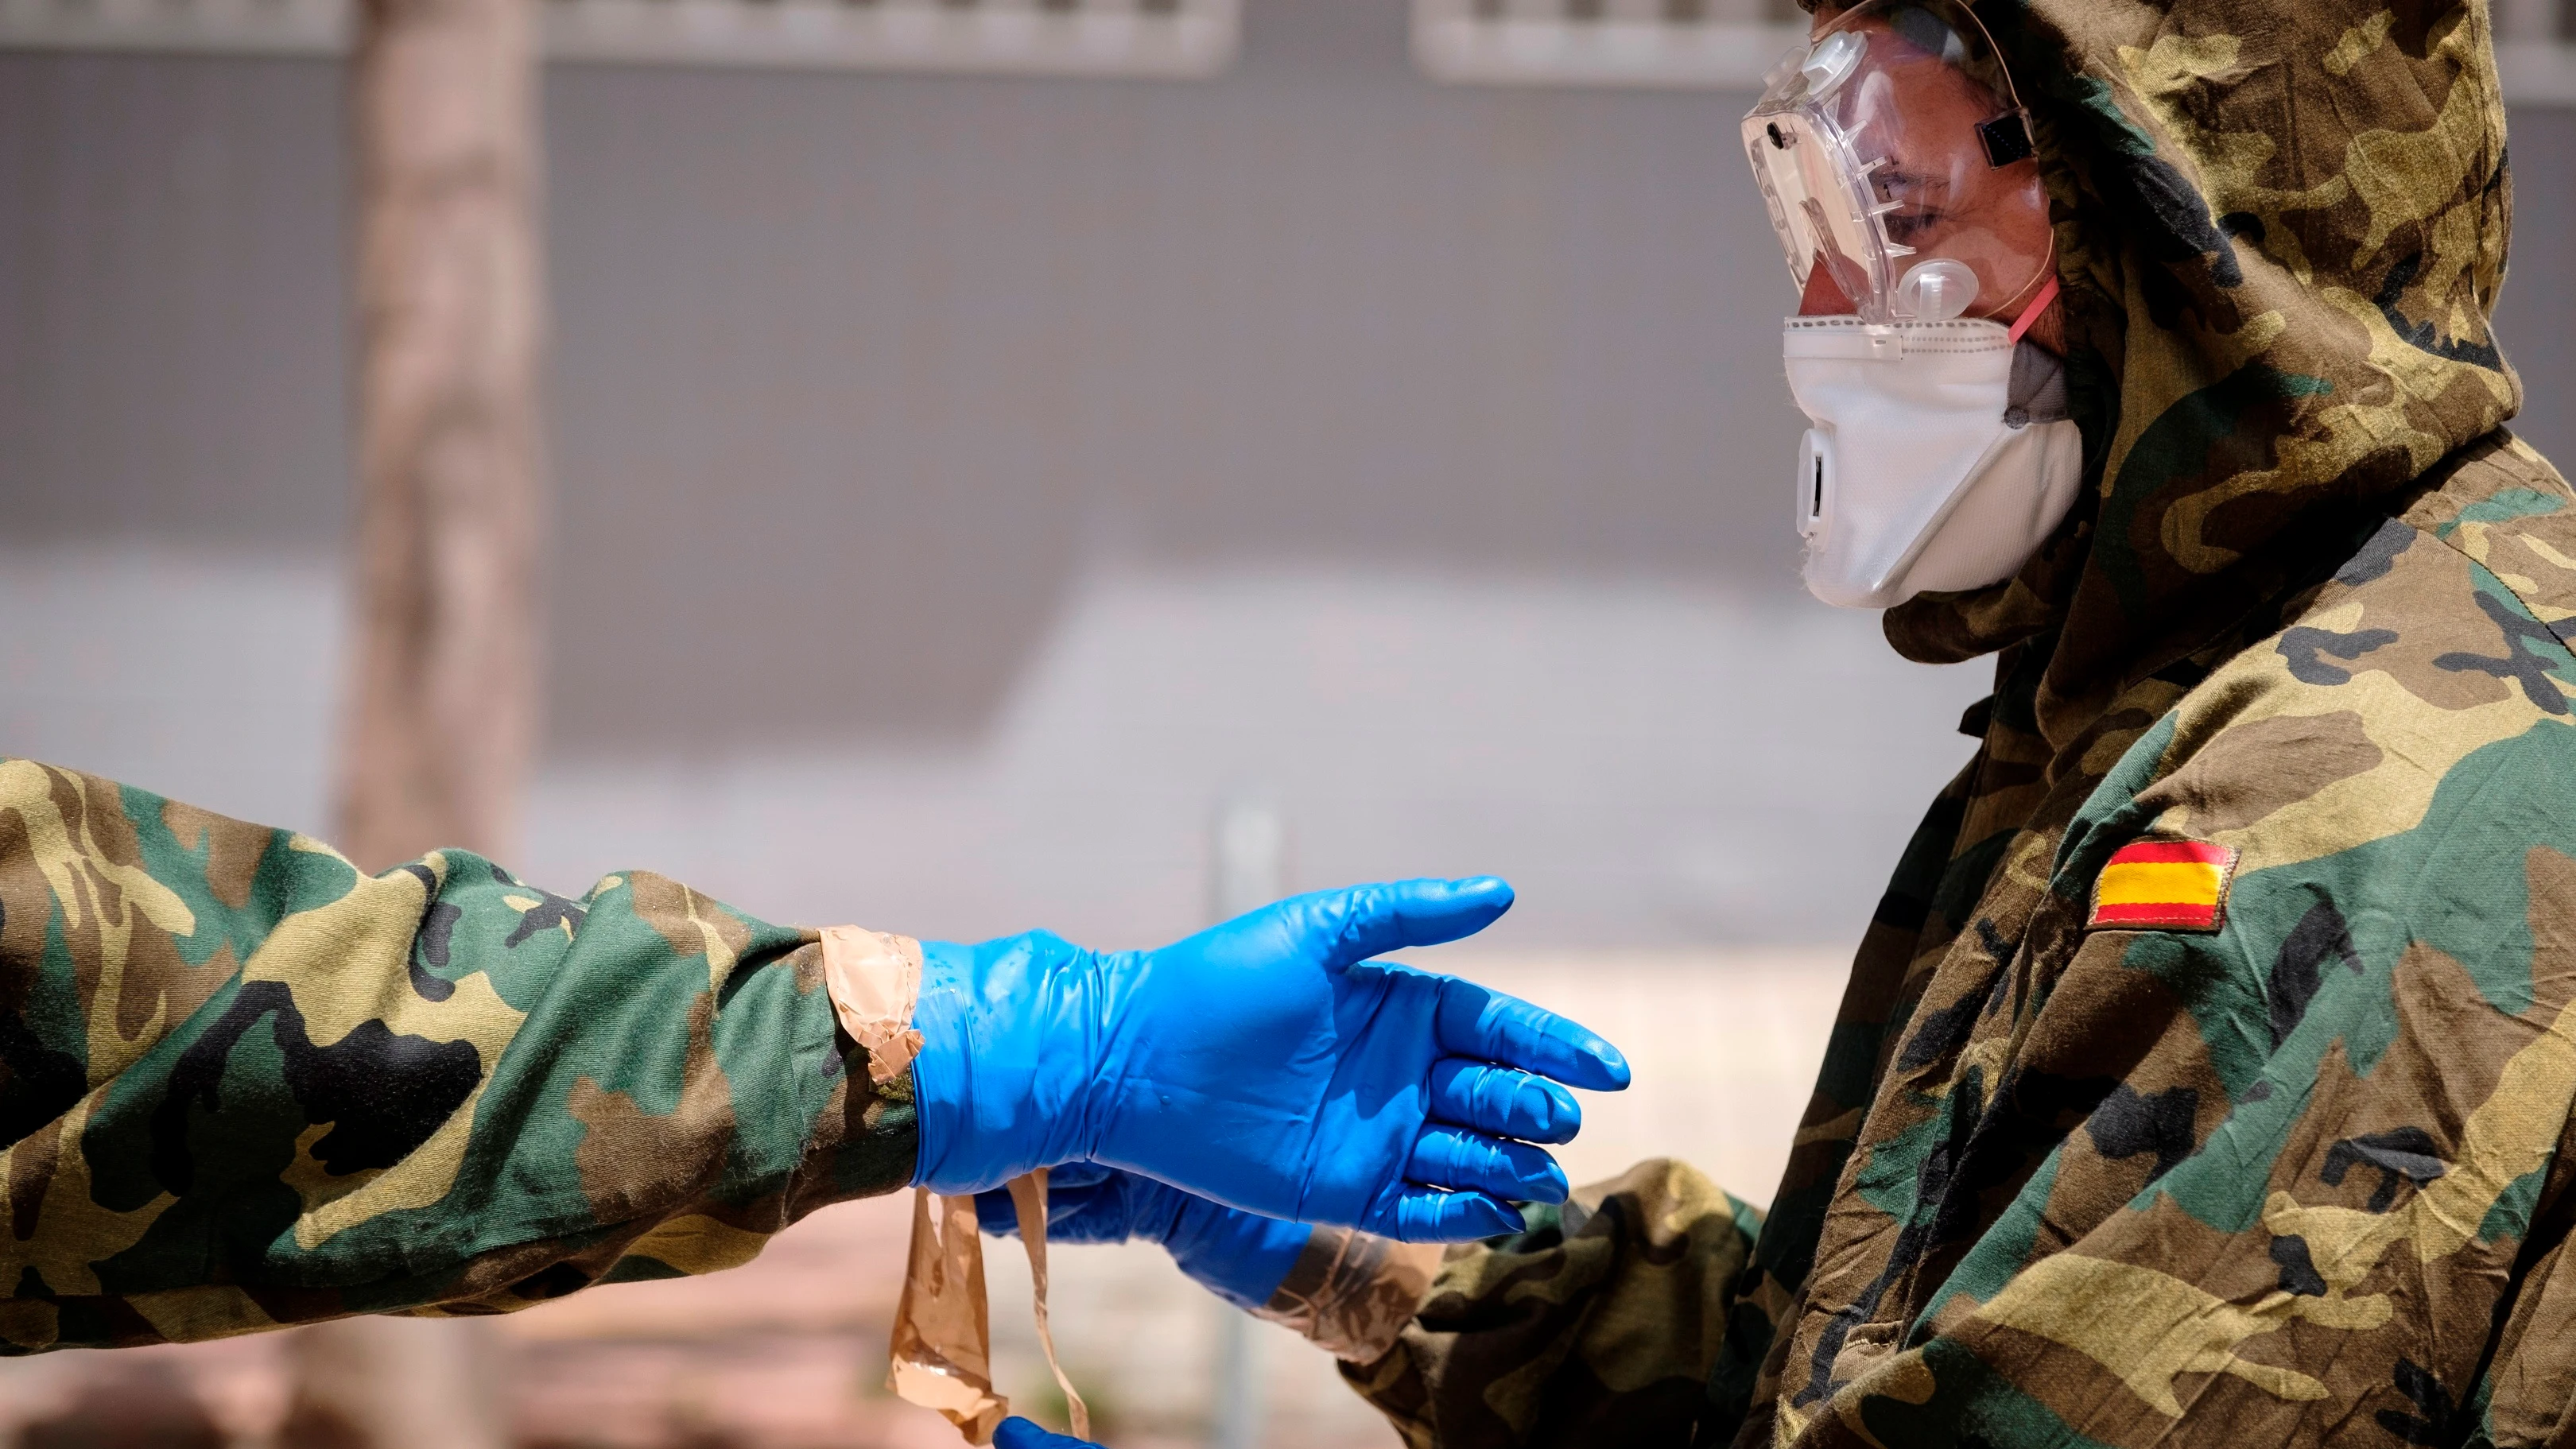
x=2282, y=229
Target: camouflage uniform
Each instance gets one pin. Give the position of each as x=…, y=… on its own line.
x=2296, y=1175
x=246, y=1085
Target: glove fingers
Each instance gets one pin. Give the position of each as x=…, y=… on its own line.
x=1431, y=1215
x=1476, y=1022
x=1359, y=922
x=1502, y=1102
x=1454, y=1157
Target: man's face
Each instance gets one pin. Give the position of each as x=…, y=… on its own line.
x=1921, y=114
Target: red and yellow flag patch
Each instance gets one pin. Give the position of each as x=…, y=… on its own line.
x=2163, y=885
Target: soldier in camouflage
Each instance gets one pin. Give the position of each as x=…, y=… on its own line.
x=2205, y=1073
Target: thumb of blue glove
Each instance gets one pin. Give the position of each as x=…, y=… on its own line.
x=1019, y=1433
x=1267, y=1064
x=1240, y=1257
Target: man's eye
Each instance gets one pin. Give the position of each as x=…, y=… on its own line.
x=1908, y=225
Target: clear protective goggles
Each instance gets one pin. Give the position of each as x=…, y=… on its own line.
x=1897, y=161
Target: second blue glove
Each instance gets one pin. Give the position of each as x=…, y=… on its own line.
x=1241, y=1257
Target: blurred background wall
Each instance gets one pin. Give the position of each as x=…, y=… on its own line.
x=967, y=488
x=965, y=483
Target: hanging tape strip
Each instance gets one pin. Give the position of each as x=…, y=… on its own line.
x=942, y=1344
x=1029, y=1200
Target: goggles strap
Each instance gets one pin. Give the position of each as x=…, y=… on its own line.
x=2030, y=314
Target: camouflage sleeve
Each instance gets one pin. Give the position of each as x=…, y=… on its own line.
x=1599, y=1324
x=245, y=1085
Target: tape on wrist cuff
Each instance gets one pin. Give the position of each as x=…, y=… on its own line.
x=1352, y=1293
x=875, y=982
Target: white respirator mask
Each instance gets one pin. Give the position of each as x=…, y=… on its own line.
x=1901, y=176
x=1941, y=456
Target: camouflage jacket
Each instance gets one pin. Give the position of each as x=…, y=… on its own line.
x=243, y=1084
x=2277, y=1157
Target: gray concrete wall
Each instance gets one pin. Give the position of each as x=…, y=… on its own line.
x=1018, y=468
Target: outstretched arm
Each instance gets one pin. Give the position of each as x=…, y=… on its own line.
x=243, y=1084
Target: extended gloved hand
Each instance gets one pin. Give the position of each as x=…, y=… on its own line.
x=1239, y=1256
x=1019, y=1433
x=1265, y=1063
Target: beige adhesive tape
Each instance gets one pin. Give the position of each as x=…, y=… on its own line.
x=875, y=981
x=1029, y=1200
x=943, y=1336
x=1353, y=1293
x=943, y=1343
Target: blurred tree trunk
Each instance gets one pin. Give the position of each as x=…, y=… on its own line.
x=443, y=713
x=442, y=705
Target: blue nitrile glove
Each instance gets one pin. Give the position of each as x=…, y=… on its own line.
x=1265, y=1063
x=1240, y=1257
x=1019, y=1433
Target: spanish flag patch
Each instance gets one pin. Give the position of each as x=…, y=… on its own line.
x=2163, y=885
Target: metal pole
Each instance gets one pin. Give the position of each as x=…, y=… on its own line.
x=1249, y=871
